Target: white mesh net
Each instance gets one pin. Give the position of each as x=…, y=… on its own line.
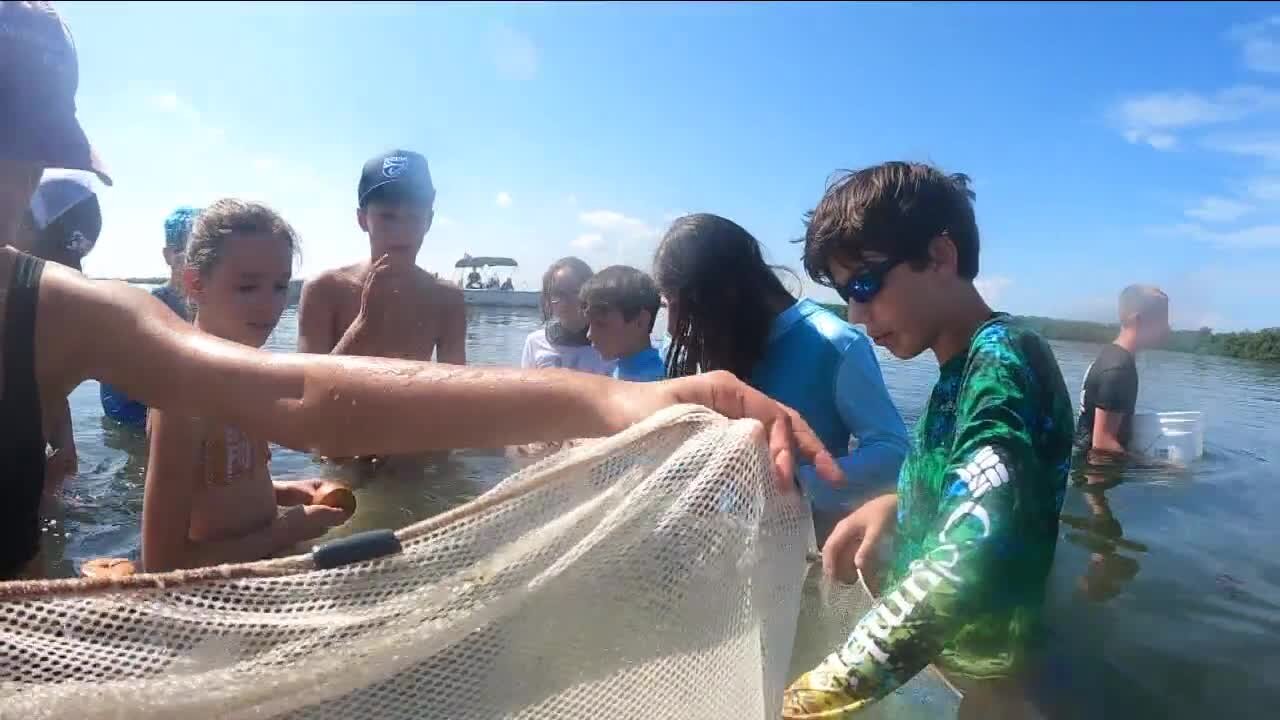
x=655, y=574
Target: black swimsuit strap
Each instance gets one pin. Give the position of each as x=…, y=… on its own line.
x=22, y=444
x=20, y=324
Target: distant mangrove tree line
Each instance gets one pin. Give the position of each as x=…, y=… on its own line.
x=1251, y=345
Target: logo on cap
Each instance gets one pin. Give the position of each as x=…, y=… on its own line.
x=78, y=244
x=394, y=166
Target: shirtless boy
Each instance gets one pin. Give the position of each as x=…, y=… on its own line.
x=387, y=306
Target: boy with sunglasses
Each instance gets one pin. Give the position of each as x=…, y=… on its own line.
x=976, y=508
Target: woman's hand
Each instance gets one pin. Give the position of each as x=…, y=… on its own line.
x=789, y=436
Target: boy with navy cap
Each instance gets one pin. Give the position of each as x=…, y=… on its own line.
x=387, y=306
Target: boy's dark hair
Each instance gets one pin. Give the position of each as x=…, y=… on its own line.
x=895, y=208
x=579, y=270
x=625, y=288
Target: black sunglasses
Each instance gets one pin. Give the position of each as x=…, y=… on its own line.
x=867, y=282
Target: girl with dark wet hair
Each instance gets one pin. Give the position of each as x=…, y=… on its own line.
x=728, y=310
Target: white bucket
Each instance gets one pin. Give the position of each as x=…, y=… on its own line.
x=1176, y=437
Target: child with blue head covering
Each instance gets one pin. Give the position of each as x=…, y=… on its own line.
x=177, y=230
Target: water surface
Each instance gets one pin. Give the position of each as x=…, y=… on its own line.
x=1166, y=587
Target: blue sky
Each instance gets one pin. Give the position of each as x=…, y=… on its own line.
x=1108, y=145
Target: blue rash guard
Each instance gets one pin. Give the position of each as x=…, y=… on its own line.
x=115, y=404
x=826, y=370
x=644, y=366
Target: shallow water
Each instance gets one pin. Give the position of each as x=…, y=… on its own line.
x=1177, y=618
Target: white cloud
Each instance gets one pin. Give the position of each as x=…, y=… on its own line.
x=503, y=199
x=172, y=104
x=1259, y=44
x=992, y=288
x=1152, y=118
x=617, y=238
x=1256, y=279
x=1157, y=140
x=1253, y=237
x=1257, y=236
x=515, y=54
x=613, y=222
x=1215, y=209
x=1161, y=141
x=588, y=241
x=1264, y=188
x=1258, y=146
x=167, y=102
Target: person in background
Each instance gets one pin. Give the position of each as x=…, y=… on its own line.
x=387, y=306
x=66, y=218
x=62, y=225
x=977, y=503
x=1110, y=392
x=81, y=329
x=177, y=228
x=728, y=310
x=177, y=232
x=621, y=304
x=209, y=497
x=562, y=340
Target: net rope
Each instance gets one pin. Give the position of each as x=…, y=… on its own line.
x=654, y=574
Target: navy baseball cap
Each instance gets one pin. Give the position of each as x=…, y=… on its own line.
x=39, y=74
x=400, y=175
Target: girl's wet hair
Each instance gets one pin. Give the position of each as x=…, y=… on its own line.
x=725, y=295
x=579, y=272
x=228, y=217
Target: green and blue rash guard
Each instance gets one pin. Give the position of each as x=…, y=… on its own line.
x=826, y=370
x=978, y=504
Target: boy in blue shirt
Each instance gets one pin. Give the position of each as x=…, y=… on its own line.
x=177, y=230
x=621, y=304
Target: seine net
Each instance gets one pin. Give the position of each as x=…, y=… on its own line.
x=654, y=574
